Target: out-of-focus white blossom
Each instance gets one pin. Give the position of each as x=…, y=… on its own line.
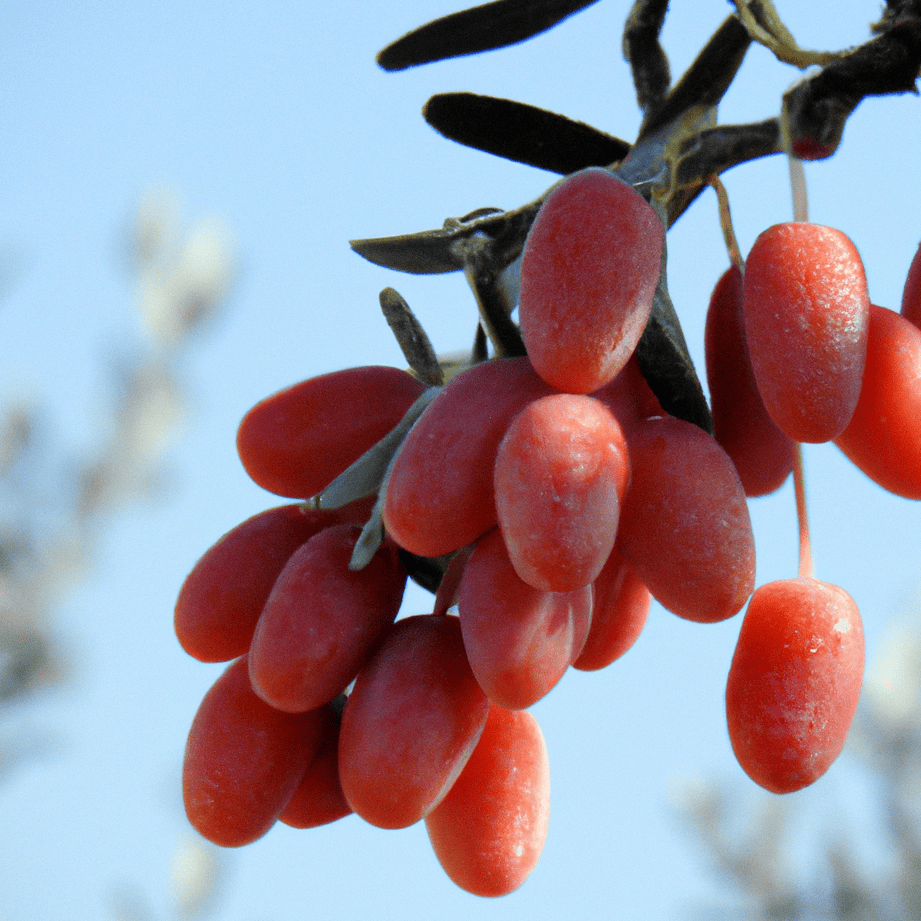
x=195, y=873
x=892, y=685
x=182, y=279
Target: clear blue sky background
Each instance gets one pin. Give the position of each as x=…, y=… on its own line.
x=276, y=117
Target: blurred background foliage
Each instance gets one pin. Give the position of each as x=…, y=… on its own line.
x=55, y=506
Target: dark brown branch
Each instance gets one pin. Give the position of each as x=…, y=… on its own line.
x=817, y=108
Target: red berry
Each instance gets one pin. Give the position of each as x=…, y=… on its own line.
x=243, y=760
x=223, y=596
x=629, y=397
x=296, y=442
x=561, y=471
x=318, y=799
x=763, y=455
x=489, y=831
x=794, y=682
x=440, y=495
x=323, y=620
x=883, y=437
x=620, y=606
x=588, y=275
x=685, y=525
x=806, y=319
x=519, y=640
x=411, y=722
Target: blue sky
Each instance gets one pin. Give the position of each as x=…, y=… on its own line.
x=276, y=118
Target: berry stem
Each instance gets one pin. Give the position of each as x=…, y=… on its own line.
x=798, y=189
x=729, y=236
x=802, y=515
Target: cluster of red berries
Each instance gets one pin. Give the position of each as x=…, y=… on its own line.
x=558, y=497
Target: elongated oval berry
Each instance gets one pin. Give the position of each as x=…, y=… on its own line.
x=440, y=496
x=620, y=607
x=318, y=799
x=322, y=620
x=296, y=442
x=685, y=525
x=561, y=471
x=806, y=317
x=222, y=597
x=761, y=452
x=794, y=682
x=911, y=293
x=629, y=397
x=883, y=437
x=588, y=275
x=243, y=760
x=411, y=722
x=489, y=831
x=519, y=639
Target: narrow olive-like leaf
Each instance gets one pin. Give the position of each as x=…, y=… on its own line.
x=706, y=80
x=379, y=468
x=366, y=475
x=435, y=251
x=481, y=28
x=425, y=253
x=670, y=131
x=667, y=366
x=411, y=337
x=521, y=132
x=644, y=52
x=665, y=361
x=715, y=150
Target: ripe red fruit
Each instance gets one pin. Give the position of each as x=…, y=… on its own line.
x=629, y=397
x=223, y=596
x=440, y=496
x=883, y=437
x=684, y=524
x=911, y=293
x=794, y=682
x=322, y=620
x=489, y=831
x=588, y=275
x=620, y=607
x=561, y=471
x=806, y=317
x=410, y=723
x=762, y=454
x=243, y=760
x=519, y=640
x=296, y=442
x=318, y=799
